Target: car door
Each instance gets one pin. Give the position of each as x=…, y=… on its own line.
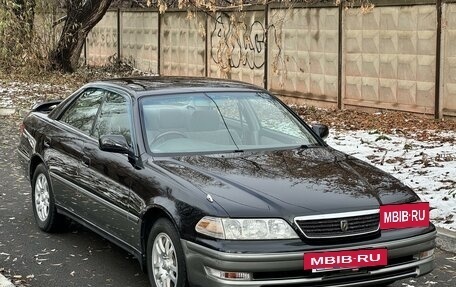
x=108, y=176
x=66, y=139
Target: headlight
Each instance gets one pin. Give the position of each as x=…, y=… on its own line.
x=245, y=229
x=211, y=226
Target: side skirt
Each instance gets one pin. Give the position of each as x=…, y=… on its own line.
x=140, y=256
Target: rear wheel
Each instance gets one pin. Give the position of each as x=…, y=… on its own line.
x=46, y=215
x=165, y=257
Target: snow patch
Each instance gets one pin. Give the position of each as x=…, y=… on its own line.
x=428, y=167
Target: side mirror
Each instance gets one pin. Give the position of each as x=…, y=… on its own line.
x=114, y=143
x=321, y=130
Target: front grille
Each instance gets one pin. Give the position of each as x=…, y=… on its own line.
x=339, y=224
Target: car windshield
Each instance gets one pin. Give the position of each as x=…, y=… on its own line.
x=219, y=122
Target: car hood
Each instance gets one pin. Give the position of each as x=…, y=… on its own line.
x=288, y=183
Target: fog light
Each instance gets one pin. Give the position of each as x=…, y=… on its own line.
x=228, y=275
x=426, y=254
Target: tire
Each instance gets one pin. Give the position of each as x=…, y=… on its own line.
x=44, y=209
x=161, y=267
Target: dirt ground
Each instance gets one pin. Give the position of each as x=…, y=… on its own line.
x=420, y=127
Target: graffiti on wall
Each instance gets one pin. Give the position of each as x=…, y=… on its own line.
x=103, y=37
x=244, y=48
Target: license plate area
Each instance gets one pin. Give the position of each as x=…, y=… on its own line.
x=324, y=261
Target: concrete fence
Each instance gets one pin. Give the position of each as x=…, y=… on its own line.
x=401, y=55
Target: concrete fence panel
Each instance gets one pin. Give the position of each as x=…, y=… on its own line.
x=247, y=59
x=303, y=58
x=390, y=58
x=449, y=60
x=183, y=45
x=139, y=40
x=101, y=44
x=385, y=58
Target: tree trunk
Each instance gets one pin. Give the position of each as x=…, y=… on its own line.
x=82, y=16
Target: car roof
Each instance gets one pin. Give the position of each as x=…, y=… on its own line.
x=157, y=85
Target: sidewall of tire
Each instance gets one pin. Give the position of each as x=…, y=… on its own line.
x=50, y=223
x=165, y=226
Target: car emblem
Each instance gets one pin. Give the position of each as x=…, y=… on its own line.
x=344, y=225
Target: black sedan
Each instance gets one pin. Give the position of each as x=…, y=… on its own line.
x=211, y=182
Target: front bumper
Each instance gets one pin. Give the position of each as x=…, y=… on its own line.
x=286, y=269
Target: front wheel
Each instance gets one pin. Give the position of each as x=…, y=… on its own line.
x=165, y=257
x=44, y=209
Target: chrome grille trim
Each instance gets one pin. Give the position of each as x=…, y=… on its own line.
x=339, y=216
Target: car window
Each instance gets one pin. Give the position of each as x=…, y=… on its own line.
x=231, y=109
x=236, y=117
x=219, y=122
x=83, y=111
x=264, y=122
x=114, y=117
x=273, y=116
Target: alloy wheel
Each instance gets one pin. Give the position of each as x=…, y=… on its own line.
x=164, y=261
x=42, y=197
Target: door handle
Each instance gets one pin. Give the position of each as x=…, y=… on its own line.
x=85, y=160
x=47, y=142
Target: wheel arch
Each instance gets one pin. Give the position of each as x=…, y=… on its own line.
x=148, y=219
x=35, y=160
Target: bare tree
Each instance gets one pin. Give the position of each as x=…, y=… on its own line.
x=81, y=17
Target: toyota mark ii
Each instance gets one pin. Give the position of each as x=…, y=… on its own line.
x=211, y=182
